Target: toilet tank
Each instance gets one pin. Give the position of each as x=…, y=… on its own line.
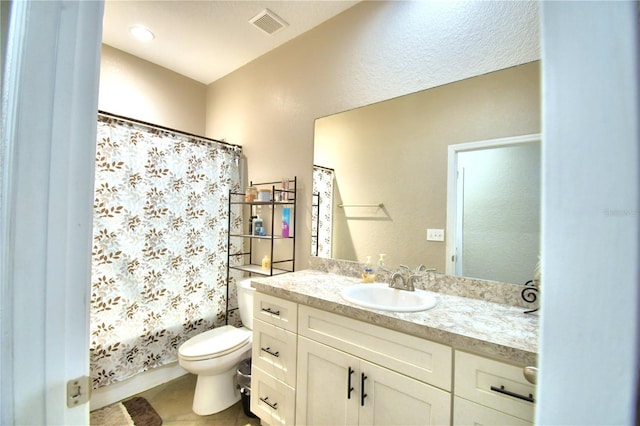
x=245, y=302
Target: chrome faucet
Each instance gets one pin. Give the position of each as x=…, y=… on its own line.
x=404, y=279
x=398, y=282
x=401, y=280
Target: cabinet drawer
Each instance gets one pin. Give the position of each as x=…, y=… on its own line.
x=276, y=311
x=274, y=351
x=469, y=413
x=271, y=400
x=490, y=383
x=421, y=359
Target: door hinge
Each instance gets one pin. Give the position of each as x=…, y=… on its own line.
x=78, y=391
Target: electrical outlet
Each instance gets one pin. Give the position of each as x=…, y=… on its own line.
x=435, y=234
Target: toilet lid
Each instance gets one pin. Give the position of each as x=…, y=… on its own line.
x=214, y=343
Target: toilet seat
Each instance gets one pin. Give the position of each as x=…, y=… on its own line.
x=214, y=343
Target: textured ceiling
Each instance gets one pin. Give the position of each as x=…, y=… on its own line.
x=205, y=40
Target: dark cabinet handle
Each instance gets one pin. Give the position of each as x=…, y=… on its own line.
x=269, y=311
x=349, y=387
x=503, y=391
x=362, y=394
x=270, y=352
x=272, y=405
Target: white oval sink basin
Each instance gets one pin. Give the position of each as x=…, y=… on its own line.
x=381, y=296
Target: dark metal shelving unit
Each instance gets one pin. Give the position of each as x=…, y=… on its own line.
x=315, y=237
x=250, y=264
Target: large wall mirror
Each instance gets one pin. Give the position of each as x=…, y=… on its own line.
x=389, y=162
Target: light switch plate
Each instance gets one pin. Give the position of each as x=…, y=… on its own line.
x=435, y=234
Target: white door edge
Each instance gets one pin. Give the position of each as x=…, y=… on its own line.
x=50, y=97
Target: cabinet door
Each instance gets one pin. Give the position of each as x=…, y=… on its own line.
x=395, y=399
x=323, y=378
x=469, y=413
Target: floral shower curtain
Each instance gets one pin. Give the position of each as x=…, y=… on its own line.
x=159, y=244
x=322, y=216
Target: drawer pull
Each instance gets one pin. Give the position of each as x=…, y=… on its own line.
x=349, y=387
x=531, y=374
x=362, y=394
x=503, y=391
x=269, y=311
x=273, y=405
x=268, y=350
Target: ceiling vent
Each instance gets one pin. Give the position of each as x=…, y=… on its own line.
x=268, y=22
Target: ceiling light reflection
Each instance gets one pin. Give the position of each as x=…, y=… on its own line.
x=141, y=33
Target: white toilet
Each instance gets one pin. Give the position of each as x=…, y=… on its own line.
x=214, y=356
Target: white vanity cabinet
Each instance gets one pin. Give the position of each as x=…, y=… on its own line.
x=490, y=392
x=351, y=372
x=314, y=367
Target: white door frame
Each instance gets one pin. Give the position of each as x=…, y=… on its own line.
x=453, y=217
x=50, y=102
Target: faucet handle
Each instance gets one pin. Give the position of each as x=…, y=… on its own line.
x=410, y=283
x=397, y=281
x=422, y=268
x=385, y=268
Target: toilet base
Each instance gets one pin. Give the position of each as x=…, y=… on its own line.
x=215, y=393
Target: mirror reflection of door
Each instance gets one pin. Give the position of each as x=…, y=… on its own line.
x=497, y=212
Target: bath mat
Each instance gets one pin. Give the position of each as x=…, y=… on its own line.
x=113, y=415
x=141, y=412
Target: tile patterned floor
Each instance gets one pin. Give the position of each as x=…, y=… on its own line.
x=173, y=400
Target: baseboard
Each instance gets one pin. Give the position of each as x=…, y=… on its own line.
x=122, y=390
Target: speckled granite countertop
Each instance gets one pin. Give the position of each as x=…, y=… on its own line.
x=491, y=329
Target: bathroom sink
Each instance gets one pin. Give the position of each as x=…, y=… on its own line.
x=381, y=296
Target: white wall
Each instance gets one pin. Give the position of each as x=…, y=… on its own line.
x=371, y=52
x=135, y=88
x=590, y=293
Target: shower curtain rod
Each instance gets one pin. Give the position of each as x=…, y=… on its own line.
x=324, y=168
x=168, y=129
x=378, y=205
